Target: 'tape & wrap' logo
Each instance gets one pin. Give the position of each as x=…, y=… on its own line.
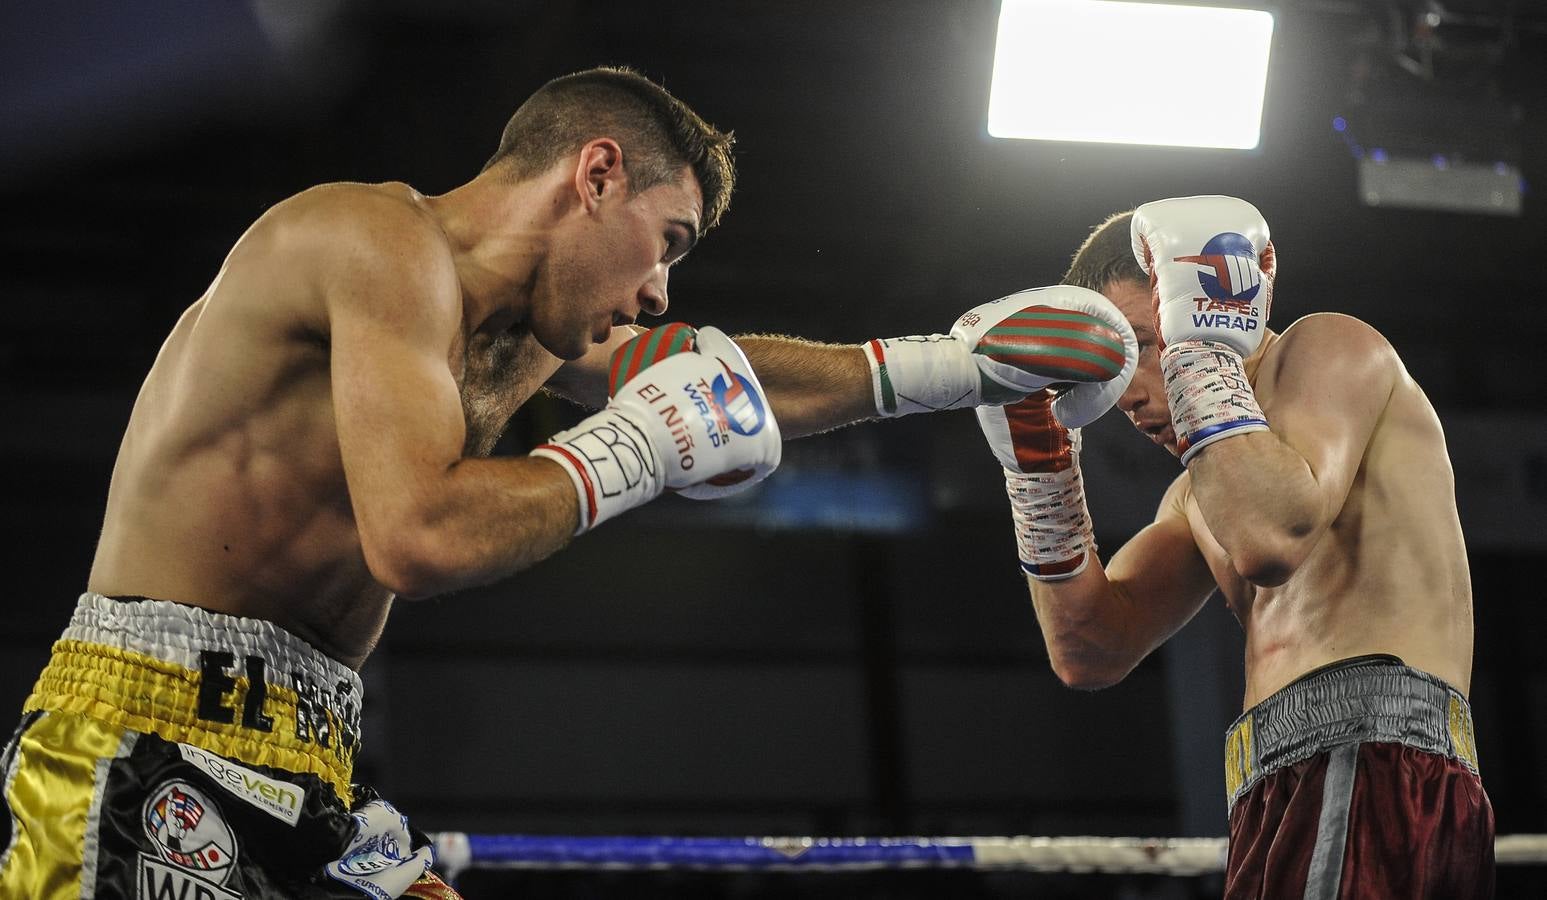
x=741, y=402
x=1230, y=270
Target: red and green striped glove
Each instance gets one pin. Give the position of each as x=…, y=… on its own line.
x=1062, y=336
x=645, y=350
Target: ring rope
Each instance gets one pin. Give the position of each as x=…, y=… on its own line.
x=457, y=851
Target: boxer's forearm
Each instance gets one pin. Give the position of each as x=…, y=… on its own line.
x=482, y=520
x=1085, y=625
x=1103, y=621
x=812, y=387
x=1261, y=502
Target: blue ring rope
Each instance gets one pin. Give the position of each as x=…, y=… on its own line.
x=715, y=852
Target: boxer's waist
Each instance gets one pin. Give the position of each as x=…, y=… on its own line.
x=242, y=688
x=1362, y=700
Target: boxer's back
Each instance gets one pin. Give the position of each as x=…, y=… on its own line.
x=1390, y=574
x=228, y=491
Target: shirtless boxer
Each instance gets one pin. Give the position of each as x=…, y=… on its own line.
x=1319, y=500
x=314, y=440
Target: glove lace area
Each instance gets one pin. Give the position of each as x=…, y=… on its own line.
x=921, y=373
x=1052, y=525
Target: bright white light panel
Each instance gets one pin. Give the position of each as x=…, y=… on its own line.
x=1129, y=73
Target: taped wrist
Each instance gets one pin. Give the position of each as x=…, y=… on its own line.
x=1052, y=526
x=611, y=462
x=921, y=373
x=1209, y=395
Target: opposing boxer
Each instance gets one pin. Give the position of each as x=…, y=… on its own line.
x=314, y=439
x=1318, y=498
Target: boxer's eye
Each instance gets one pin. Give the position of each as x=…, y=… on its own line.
x=678, y=243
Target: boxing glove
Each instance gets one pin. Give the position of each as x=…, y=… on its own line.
x=1005, y=349
x=687, y=414
x=1211, y=267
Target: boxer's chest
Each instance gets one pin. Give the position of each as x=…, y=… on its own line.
x=495, y=376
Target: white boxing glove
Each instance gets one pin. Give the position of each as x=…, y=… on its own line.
x=1211, y=268
x=1005, y=349
x=688, y=414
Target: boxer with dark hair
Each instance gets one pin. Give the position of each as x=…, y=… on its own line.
x=1318, y=498
x=314, y=440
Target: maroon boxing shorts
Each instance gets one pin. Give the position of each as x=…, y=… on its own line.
x=1358, y=780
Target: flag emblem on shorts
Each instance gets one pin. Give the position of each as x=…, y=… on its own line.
x=188, y=830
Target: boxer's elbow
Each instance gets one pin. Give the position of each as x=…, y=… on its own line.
x=401, y=573
x=1085, y=645
x=409, y=563
x=1083, y=678
x=1083, y=667
x=1270, y=557
x=1263, y=572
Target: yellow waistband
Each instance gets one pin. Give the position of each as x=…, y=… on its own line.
x=246, y=705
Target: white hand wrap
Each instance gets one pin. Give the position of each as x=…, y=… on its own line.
x=1209, y=395
x=921, y=373
x=1053, y=533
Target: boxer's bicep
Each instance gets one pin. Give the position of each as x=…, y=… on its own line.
x=1160, y=576
x=393, y=315
x=1335, y=377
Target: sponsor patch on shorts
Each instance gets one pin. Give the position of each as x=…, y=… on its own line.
x=280, y=799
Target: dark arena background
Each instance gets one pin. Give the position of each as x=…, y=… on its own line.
x=849, y=648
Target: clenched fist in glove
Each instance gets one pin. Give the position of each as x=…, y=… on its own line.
x=1006, y=349
x=1037, y=440
x=1211, y=270
x=687, y=413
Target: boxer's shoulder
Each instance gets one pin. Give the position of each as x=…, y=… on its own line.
x=367, y=246
x=1321, y=345
x=300, y=251
x=1330, y=322
x=1326, y=334
x=350, y=221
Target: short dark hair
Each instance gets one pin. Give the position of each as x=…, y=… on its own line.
x=1106, y=256
x=659, y=134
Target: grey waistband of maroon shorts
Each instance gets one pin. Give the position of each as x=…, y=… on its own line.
x=1360, y=701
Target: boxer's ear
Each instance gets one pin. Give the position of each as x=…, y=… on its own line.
x=599, y=172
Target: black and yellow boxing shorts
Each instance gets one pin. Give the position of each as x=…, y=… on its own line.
x=172, y=752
